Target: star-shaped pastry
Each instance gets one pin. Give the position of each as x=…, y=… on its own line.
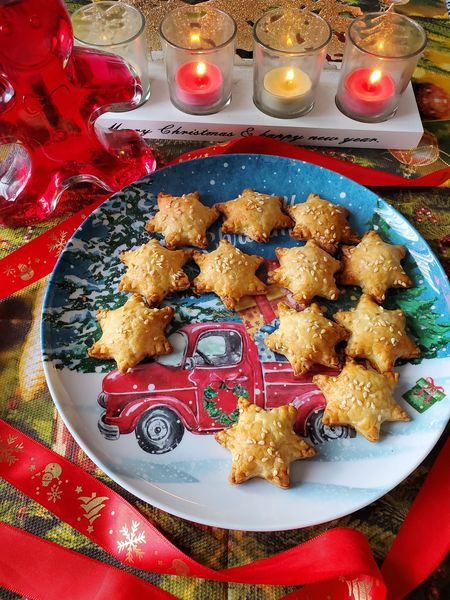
x=228, y=272
x=322, y=221
x=376, y=334
x=132, y=332
x=374, y=266
x=263, y=443
x=306, y=271
x=361, y=398
x=306, y=338
x=254, y=214
x=183, y=220
x=154, y=271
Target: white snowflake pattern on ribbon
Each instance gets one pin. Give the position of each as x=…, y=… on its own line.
x=58, y=242
x=132, y=541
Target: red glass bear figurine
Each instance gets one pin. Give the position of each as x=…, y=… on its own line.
x=50, y=97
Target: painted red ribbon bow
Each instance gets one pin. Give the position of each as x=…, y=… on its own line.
x=430, y=387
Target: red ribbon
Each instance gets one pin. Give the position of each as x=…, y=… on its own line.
x=37, y=258
x=363, y=175
x=334, y=564
x=41, y=570
x=95, y=510
x=431, y=388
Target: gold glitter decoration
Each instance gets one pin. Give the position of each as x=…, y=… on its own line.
x=338, y=14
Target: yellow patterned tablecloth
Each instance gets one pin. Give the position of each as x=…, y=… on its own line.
x=25, y=401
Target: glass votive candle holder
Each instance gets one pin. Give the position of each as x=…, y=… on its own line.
x=117, y=28
x=289, y=49
x=381, y=53
x=198, y=44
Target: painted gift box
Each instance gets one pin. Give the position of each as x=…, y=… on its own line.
x=424, y=394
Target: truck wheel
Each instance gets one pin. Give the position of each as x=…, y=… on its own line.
x=319, y=433
x=159, y=430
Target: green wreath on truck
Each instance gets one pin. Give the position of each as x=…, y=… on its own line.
x=210, y=397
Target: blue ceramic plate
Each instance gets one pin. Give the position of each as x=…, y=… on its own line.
x=155, y=437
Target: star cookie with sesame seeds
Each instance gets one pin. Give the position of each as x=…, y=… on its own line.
x=374, y=266
x=322, y=221
x=183, y=220
x=254, y=214
x=360, y=397
x=263, y=443
x=132, y=332
x=306, y=271
x=306, y=338
x=376, y=334
x=154, y=271
x=228, y=272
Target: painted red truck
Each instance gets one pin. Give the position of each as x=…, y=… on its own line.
x=196, y=387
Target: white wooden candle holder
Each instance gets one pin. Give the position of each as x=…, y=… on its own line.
x=325, y=125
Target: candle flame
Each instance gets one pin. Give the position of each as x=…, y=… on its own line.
x=201, y=68
x=289, y=76
x=289, y=41
x=375, y=76
x=195, y=38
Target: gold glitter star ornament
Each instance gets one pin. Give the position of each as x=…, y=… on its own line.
x=263, y=443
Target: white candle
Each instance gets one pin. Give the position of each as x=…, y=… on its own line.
x=287, y=90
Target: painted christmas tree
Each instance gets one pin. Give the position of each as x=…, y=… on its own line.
x=422, y=319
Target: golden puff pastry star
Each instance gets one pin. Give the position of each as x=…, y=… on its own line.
x=322, y=221
x=263, y=443
x=254, y=214
x=360, y=397
x=306, y=338
x=132, y=332
x=154, y=271
x=376, y=334
x=374, y=266
x=228, y=272
x=183, y=220
x=306, y=271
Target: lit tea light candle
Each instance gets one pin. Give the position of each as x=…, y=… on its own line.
x=198, y=45
x=287, y=90
x=199, y=83
x=368, y=92
x=289, y=49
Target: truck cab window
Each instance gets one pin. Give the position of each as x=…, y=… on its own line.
x=219, y=348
